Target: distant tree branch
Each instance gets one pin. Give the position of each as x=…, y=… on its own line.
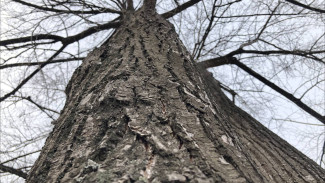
x=215, y=62
x=56, y=38
x=14, y=171
x=39, y=106
x=21, y=156
x=102, y=10
x=90, y=31
x=283, y=52
x=119, y=4
x=263, y=14
x=32, y=74
x=306, y=6
x=180, y=8
x=298, y=122
x=229, y=90
x=200, y=45
x=37, y=37
x=39, y=63
x=232, y=60
x=260, y=32
x=306, y=54
x=65, y=41
x=42, y=108
x=322, y=155
x=30, y=45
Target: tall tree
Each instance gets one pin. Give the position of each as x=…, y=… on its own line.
x=139, y=108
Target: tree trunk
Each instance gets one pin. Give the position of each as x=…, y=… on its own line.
x=138, y=110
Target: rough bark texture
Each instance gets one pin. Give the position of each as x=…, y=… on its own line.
x=138, y=110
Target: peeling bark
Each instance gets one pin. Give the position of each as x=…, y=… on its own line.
x=139, y=110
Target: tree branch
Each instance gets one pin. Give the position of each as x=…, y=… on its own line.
x=180, y=8
x=65, y=41
x=31, y=38
x=306, y=6
x=102, y=10
x=90, y=31
x=43, y=109
x=14, y=171
x=232, y=60
x=21, y=156
x=322, y=155
x=39, y=106
x=56, y=38
x=215, y=62
x=32, y=74
x=39, y=63
x=284, y=52
x=201, y=43
x=307, y=54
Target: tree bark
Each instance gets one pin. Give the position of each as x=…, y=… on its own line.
x=139, y=110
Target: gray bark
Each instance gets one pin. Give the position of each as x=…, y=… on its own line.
x=139, y=110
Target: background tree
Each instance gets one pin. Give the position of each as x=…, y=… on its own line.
x=260, y=47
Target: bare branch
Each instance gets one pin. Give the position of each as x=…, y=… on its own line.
x=56, y=38
x=39, y=63
x=14, y=171
x=102, y=10
x=39, y=106
x=289, y=96
x=90, y=31
x=24, y=155
x=215, y=62
x=180, y=8
x=261, y=31
x=263, y=14
x=42, y=108
x=37, y=37
x=306, y=6
x=299, y=122
x=206, y=33
x=32, y=74
x=322, y=155
x=229, y=90
x=306, y=54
